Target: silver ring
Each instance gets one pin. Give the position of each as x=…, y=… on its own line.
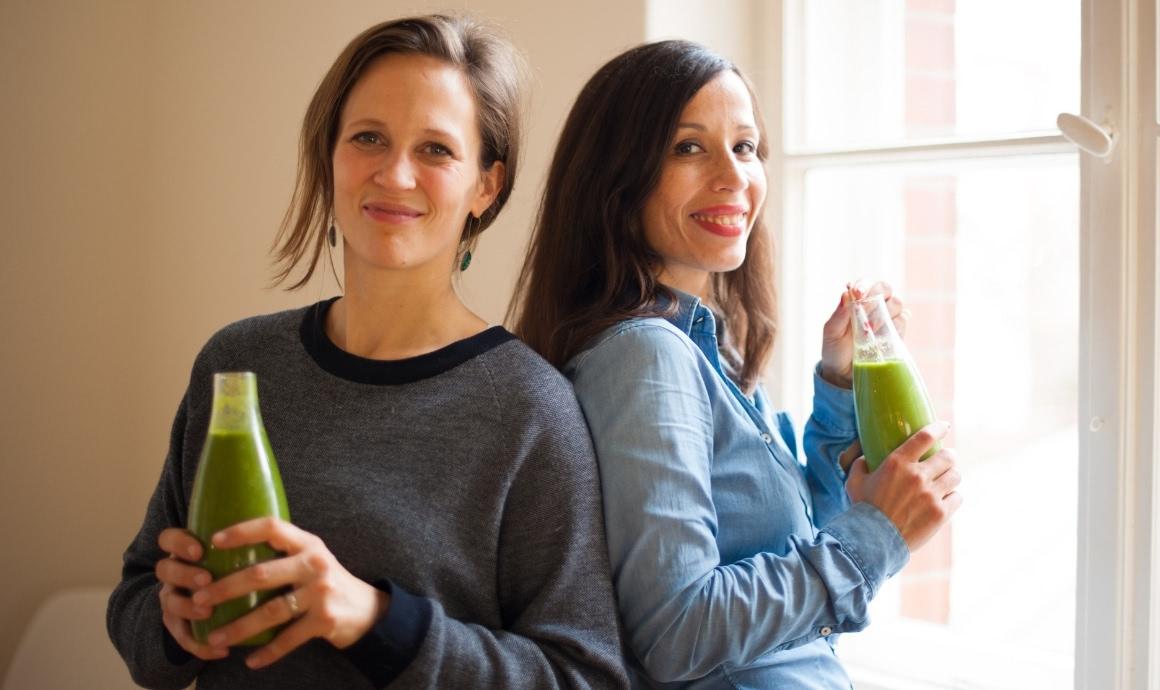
x=292, y=602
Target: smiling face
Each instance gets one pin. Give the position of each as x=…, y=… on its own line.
x=406, y=166
x=711, y=187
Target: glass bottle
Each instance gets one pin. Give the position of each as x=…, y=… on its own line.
x=890, y=398
x=237, y=479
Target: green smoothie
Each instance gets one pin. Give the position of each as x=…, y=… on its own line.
x=891, y=404
x=237, y=480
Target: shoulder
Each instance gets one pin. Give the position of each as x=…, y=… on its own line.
x=634, y=343
x=239, y=342
x=519, y=376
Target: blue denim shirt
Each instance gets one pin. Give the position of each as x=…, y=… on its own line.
x=735, y=564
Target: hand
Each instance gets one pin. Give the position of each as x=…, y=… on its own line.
x=325, y=601
x=177, y=576
x=838, y=336
x=847, y=457
x=918, y=497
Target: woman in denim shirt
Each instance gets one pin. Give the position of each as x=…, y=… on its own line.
x=649, y=281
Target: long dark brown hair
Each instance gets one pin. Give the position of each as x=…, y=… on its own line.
x=494, y=71
x=588, y=264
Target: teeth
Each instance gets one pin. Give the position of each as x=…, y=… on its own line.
x=734, y=219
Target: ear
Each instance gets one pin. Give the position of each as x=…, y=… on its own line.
x=490, y=184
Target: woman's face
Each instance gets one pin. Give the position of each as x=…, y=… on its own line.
x=406, y=166
x=711, y=188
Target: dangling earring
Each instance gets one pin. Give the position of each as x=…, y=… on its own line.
x=466, y=261
x=332, y=235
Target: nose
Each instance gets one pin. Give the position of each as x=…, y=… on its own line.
x=396, y=171
x=728, y=174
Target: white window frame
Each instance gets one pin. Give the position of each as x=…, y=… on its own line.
x=1118, y=554
x=1118, y=527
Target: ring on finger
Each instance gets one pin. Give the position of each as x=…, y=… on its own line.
x=293, y=604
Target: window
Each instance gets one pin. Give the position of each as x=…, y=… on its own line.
x=915, y=140
x=920, y=148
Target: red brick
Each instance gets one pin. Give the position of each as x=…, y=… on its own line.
x=927, y=599
x=930, y=269
x=930, y=46
x=946, y=7
x=933, y=558
x=930, y=105
x=931, y=205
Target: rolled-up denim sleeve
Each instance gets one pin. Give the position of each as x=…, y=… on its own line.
x=830, y=430
x=684, y=611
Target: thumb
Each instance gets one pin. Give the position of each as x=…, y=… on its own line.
x=856, y=478
x=925, y=438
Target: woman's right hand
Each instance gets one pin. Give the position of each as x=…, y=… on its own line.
x=918, y=497
x=179, y=580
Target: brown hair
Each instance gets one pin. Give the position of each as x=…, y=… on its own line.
x=588, y=264
x=494, y=71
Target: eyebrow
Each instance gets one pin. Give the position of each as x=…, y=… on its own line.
x=429, y=131
x=701, y=128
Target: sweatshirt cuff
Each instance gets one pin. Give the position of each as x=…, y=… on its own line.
x=833, y=406
x=872, y=541
x=394, y=640
x=174, y=654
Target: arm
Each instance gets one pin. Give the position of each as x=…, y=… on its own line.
x=685, y=612
x=133, y=619
x=830, y=430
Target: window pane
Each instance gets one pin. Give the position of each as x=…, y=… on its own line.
x=881, y=72
x=985, y=254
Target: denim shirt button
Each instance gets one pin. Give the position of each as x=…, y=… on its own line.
x=766, y=438
x=825, y=631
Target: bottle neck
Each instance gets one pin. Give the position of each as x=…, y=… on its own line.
x=235, y=403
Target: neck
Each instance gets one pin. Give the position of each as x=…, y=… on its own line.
x=398, y=314
x=693, y=282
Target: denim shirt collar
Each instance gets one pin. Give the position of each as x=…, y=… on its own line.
x=691, y=316
x=697, y=321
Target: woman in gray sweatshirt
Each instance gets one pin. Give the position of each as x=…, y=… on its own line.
x=446, y=505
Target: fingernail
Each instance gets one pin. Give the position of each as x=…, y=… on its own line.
x=201, y=579
x=255, y=661
x=219, y=538
x=191, y=551
x=201, y=597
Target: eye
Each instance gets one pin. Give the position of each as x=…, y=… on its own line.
x=745, y=148
x=687, y=148
x=438, y=150
x=368, y=140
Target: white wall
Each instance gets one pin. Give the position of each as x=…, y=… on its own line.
x=146, y=157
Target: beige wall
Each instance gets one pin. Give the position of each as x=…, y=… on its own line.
x=146, y=156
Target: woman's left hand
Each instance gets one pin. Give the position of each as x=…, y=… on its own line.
x=325, y=600
x=838, y=336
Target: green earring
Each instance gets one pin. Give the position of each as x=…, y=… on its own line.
x=466, y=261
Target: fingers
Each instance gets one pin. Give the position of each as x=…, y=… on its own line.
x=944, y=484
x=287, y=641
x=178, y=573
x=178, y=627
x=847, y=457
x=914, y=447
x=177, y=604
x=273, y=613
x=180, y=543
x=879, y=288
x=280, y=534
x=262, y=576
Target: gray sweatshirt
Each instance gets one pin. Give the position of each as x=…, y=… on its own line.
x=462, y=482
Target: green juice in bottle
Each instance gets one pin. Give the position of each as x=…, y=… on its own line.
x=890, y=400
x=237, y=480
